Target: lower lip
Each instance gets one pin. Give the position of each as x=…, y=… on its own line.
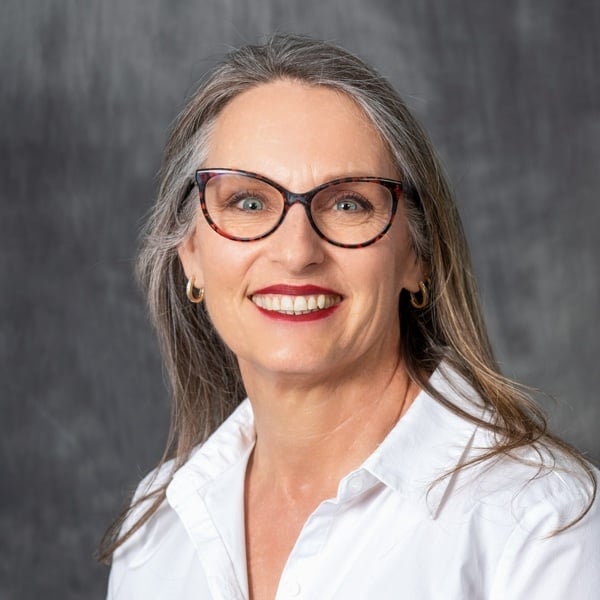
x=316, y=315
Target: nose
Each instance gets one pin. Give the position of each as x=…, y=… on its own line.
x=295, y=243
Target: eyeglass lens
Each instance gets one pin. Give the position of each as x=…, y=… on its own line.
x=348, y=213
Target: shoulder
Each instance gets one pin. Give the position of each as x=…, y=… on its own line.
x=533, y=518
x=539, y=489
x=161, y=551
x=542, y=475
x=150, y=489
x=205, y=461
x=550, y=516
x=139, y=544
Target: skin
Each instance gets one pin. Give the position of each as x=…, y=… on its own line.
x=324, y=392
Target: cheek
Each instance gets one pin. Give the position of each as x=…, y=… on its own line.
x=224, y=263
x=378, y=283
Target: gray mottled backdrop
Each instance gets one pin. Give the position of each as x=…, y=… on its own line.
x=510, y=92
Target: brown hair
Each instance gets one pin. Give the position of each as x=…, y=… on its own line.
x=203, y=373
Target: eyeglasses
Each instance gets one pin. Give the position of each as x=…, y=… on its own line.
x=351, y=212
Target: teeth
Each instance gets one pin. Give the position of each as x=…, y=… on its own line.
x=300, y=304
x=287, y=304
x=294, y=305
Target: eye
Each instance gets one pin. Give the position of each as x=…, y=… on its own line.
x=351, y=203
x=347, y=206
x=249, y=203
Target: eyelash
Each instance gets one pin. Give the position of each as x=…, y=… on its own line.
x=352, y=197
x=234, y=200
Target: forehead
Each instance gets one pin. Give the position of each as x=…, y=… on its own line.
x=291, y=131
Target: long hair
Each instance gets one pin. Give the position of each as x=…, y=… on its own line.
x=203, y=373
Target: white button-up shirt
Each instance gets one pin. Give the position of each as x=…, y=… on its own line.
x=480, y=533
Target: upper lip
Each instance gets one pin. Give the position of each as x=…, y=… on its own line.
x=295, y=290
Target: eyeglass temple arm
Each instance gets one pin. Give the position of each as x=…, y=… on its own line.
x=190, y=186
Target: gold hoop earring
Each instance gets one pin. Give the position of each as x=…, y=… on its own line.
x=189, y=290
x=422, y=303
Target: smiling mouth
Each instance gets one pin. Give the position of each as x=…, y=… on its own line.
x=295, y=305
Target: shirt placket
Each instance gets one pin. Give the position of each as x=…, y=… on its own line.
x=303, y=576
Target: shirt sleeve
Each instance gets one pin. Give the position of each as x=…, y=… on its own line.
x=538, y=564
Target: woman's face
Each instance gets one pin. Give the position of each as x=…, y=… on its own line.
x=300, y=137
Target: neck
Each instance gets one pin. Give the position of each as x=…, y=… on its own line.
x=311, y=434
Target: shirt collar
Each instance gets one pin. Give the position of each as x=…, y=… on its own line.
x=231, y=443
x=429, y=441
x=426, y=444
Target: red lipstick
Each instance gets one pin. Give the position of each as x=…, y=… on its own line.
x=296, y=290
x=303, y=318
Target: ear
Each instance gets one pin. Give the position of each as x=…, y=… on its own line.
x=190, y=259
x=416, y=273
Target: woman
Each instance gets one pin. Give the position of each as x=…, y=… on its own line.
x=305, y=251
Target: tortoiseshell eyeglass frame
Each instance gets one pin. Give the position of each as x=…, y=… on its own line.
x=203, y=176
